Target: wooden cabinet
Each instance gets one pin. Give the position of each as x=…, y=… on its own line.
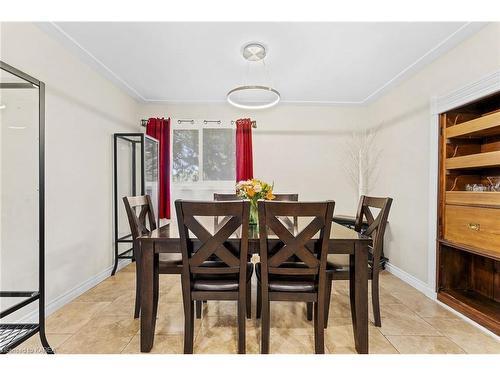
x=468, y=244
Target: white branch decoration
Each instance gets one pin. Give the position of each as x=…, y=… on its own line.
x=361, y=160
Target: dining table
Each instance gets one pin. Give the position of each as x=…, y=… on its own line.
x=342, y=240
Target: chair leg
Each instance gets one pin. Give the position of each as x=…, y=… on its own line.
x=188, y=327
x=328, y=296
x=319, y=328
x=376, y=300
x=242, y=311
x=249, y=300
x=137, y=308
x=258, y=309
x=309, y=311
x=266, y=325
x=199, y=306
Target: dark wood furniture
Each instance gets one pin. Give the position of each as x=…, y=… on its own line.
x=350, y=222
x=342, y=241
x=468, y=238
x=139, y=212
x=214, y=268
x=376, y=230
x=294, y=269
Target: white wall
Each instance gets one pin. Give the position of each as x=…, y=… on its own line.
x=299, y=147
x=405, y=138
x=82, y=111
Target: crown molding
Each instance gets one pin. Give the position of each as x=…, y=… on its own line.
x=487, y=85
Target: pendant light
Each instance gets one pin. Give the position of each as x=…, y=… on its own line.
x=256, y=96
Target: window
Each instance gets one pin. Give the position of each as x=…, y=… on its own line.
x=203, y=153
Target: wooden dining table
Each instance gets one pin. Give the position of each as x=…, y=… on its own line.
x=342, y=241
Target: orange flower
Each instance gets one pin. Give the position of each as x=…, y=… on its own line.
x=250, y=192
x=269, y=195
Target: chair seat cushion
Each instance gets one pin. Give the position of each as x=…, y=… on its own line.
x=171, y=259
x=289, y=283
x=219, y=282
x=337, y=267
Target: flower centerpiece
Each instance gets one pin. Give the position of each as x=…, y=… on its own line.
x=254, y=190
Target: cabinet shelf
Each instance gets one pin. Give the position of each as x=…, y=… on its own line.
x=480, y=127
x=482, y=160
x=474, y=305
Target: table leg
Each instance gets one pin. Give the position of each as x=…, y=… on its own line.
x=147, y=296
x=358, y=288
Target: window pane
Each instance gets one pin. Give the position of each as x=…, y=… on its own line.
x=185, y=156
x=219, y=161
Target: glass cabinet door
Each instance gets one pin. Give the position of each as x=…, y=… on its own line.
x=151, y=170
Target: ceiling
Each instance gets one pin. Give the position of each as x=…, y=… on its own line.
x=350, y=63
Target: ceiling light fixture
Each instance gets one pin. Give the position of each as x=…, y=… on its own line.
x=3, y=106
x=254, y=96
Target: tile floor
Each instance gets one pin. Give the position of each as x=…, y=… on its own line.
x=101, y=321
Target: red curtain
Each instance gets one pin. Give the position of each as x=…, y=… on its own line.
x=244, y=155
x=160, y=129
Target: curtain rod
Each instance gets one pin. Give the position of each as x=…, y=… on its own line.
x=218, y=122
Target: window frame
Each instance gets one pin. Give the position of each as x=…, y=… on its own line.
x=199, y=125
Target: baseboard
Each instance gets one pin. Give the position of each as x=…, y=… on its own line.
x=429, y=292
x=70, y=295
x=412, y=280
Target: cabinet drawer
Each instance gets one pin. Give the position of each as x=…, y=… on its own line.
x=473, y=226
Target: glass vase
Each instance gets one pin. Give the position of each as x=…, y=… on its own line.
x=254, y=213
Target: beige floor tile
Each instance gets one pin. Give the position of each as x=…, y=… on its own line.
x=424, y=345
x=110, y=289
x=340, y=340
x=400, y=320
x=94, y=344
x=468, y=337
x=121, y=306
x=34, y=346
x=422, y=305
x=73, y=316
x=128, y=268
x=287, y=342
x=114, y=333
x=170, y=319
x=170, y=288
x=163, y=344
x=391, y=283
x=101, y=321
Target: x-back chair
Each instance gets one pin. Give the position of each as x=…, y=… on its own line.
x=215, y=266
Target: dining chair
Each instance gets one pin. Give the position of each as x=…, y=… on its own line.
x=300, y=280
x=293, y=224
x=338, y=266
x=215, y=266
x=139, y=212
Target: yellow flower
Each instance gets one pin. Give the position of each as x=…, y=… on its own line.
x=269, y=195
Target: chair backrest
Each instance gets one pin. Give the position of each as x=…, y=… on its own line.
x=232, y=255
x=277, y=197
x=139, y=212
x=298, y=246
x=288, y=198
x=376, y=224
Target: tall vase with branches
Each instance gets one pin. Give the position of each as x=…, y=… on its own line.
x=361, y=160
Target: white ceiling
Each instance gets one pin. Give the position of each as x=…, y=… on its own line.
x=307, y=62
